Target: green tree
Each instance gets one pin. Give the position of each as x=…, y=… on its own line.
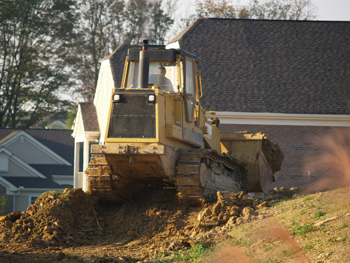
x=258, y=9
x=100, y=32
x=3, y=202
x=71, y=117
x=105, y=24
x=160, y=20
x=35, y=36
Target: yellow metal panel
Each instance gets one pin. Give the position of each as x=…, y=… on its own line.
x=173, y=131
x=170, y=109
x=126, y=65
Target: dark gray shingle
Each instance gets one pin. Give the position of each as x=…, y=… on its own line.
x=33, y=182
x=88, y=112
x=272, y=66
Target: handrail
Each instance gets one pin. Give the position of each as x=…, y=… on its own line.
x=200, y=82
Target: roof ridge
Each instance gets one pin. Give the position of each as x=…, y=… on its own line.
x=274, y=20
x=186, y=31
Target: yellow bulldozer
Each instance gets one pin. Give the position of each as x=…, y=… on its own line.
x=159, y=135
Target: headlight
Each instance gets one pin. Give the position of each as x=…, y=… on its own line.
x=117, y=97
x=152, y=98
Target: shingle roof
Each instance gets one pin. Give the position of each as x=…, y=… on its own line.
x=8, y=136
x=272, y=66
x=59, y=141
x=32, y=182
x=88, y=112
x=117, y=61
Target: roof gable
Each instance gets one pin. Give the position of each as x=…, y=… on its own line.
x=272, y=66
x=20, y=164
x=35, y=144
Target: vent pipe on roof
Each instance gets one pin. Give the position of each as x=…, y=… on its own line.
x=144, y=66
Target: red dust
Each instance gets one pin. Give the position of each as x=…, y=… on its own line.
x=334, y=158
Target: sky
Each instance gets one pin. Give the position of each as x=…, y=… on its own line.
x=335, y=10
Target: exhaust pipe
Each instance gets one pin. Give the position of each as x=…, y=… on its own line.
x=144, y=66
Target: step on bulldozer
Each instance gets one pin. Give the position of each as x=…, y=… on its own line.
x=159, y=135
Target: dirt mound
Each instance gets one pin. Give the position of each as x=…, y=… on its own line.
x=53, y=220
x=154, y=219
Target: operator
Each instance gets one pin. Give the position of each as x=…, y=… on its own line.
x=163, y=82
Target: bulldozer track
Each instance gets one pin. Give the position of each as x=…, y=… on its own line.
x=196, y=176
x=193, y=185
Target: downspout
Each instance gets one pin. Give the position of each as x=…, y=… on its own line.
x=14, y=199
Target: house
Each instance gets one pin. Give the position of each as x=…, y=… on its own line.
x=288, y=79
x=33, y=161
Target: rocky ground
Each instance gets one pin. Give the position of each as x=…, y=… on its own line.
x=154, y=226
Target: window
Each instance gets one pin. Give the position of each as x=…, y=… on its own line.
x=162, y=74
x=190, y=90
x=32, y=199
x=4, y=162
x=190, y=85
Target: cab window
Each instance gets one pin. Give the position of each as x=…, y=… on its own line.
x=162, y=74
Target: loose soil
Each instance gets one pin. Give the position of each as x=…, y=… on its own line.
x=73, y=226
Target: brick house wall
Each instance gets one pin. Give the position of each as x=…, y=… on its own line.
x=297, y=144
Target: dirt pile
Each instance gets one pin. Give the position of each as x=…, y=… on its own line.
x=154, y=220
x=54, y=220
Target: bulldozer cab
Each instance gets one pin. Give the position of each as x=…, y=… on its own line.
x=157, y=84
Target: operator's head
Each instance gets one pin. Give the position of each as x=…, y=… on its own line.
x=161, y=71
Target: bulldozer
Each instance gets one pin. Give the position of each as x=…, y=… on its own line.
x=158, y=134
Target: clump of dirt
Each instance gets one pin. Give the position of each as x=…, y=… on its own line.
x=154, y=220
x=273, y=154
x=53, y=220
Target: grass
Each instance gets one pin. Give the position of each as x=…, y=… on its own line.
x=345, y=224
x=273, y=260
x=190, y=255
x=308, y=198
x=302, y=230
x=308, y=246
x=318, y=214
x=244, y=242
x=286, y=253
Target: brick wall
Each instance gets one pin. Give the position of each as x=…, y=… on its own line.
x=298, y=147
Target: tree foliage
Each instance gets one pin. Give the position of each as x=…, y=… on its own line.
x=34, y=42
x=258, y=9
x=105, y=24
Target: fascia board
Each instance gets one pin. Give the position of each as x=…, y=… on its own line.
x=22, y=164
x=9, y=187
x=2, y=149
x=76, y=121
x=39, y=145
x=257, y=118
x=92, y=134
x=104, y=63
x=79, y=139
x=26, y=166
